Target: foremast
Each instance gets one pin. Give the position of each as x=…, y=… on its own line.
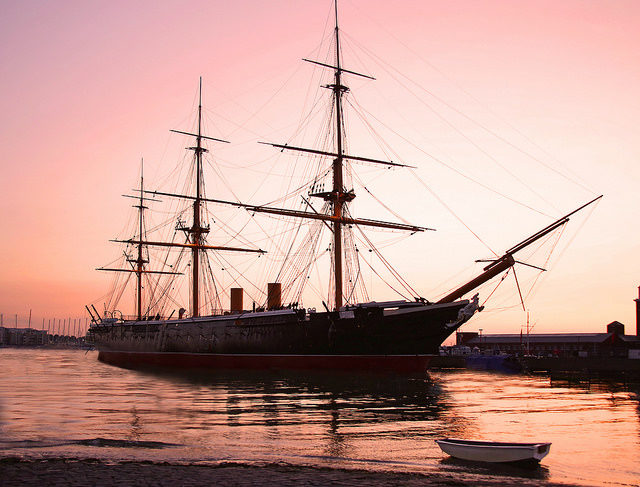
x=339, y=196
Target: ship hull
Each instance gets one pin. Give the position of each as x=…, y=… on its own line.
x=401, y=364
x=394, y=338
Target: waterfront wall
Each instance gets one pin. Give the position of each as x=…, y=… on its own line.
x=613, y=365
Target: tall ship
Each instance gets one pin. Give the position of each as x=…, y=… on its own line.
x=383, y=336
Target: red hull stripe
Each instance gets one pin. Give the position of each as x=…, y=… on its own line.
x=213, y=361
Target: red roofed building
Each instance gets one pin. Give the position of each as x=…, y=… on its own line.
x=613, y=343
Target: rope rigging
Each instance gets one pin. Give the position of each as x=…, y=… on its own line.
x=295, y=246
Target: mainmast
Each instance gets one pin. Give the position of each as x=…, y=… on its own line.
x=197, y=231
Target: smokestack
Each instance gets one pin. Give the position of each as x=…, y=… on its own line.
x=638, y=313
x=236, y=300
x=274, y=295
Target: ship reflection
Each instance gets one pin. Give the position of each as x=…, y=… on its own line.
x=333, y=406
x=136, y=427
x=353, y=397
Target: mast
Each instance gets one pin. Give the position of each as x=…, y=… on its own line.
x=338, y=197
x=338, y=190
x=140, y=261
x=197, y=230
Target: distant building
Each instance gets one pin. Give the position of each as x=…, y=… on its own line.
x=22, y=337
x=613, y=343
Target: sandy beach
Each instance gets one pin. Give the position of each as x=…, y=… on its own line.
x=72, y=472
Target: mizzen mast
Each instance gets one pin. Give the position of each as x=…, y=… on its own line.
x=139, y=263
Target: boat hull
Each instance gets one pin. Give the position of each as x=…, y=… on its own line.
x=368, y=338
x=507, y=364
x=212, y=361
x=494, y=452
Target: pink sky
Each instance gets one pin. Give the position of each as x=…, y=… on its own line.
x=88, y=88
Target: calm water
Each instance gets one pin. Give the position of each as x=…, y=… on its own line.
x=65, y=403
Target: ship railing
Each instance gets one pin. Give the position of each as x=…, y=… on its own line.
x=146, y=318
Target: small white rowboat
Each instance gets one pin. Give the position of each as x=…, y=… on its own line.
x=493, y=451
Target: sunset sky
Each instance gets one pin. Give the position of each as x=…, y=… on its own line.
x=537, y=100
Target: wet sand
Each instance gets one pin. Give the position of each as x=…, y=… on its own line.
x=69, y=472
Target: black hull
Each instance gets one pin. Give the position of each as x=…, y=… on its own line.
x=357, y=339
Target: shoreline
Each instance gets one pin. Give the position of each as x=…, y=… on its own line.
x=80, y=472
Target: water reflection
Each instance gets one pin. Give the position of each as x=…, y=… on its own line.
x=64, y=403
x=619, y=391
x=336, y=408
x=337, y=446
x=274, y=398
x=530, y=471
x=136, y=427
